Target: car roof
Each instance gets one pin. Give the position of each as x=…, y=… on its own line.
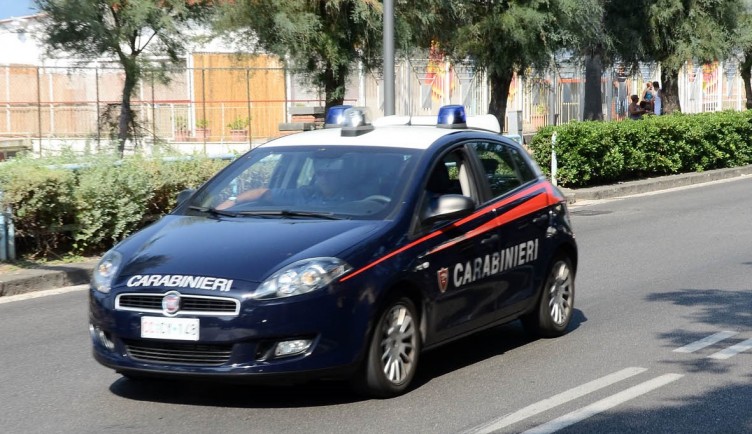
x=417, y=132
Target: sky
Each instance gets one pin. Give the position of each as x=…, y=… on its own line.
x=15, y=8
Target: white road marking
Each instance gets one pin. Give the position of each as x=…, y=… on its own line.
x=732, y=350
x=36, y=294
x=705, y=342
x=604, y=404
x=556, y=400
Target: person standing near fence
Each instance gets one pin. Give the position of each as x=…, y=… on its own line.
x=657, y=99
x=647, y=95
x=635, y=111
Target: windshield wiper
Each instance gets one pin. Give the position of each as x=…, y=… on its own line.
x=213, y=211
x=291, y=213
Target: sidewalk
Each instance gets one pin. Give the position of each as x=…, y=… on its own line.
x=57, y=276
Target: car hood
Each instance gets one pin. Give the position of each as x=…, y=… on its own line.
x=242, y=249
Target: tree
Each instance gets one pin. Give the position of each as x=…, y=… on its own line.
x=123, y=30
x=322, y=39
x=682, y=30
x=744, y=48
x=586, y=34
x=499, y=37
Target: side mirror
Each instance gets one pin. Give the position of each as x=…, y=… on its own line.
x=447, y=207
x=184, y=195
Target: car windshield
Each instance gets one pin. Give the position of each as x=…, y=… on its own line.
x=310, y=182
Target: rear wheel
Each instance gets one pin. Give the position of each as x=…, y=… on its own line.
x=393, y=352
x=555, y=306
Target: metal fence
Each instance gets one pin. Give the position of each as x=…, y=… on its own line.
x=219, y=108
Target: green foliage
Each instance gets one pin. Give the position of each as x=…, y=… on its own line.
x=122, y=30
x=238, y=124
x=500, y=38
x=41, y=202
x=320, y=39
x=89, y=207
x=595, y=153
x=110, y=203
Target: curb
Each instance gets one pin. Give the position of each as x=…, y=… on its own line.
x=45, y=277
x=653, y=184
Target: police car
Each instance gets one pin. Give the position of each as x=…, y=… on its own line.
x=341, y=253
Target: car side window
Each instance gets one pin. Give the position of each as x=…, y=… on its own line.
x=451, y=175
x=526, y=173
x=504, y=167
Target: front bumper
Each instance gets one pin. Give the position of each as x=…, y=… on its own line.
x=238, y=347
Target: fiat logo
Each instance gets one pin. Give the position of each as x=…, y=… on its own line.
x=171, y=303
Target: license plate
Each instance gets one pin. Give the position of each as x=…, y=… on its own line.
x=181, y=329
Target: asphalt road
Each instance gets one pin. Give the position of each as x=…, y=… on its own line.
x=661, y=342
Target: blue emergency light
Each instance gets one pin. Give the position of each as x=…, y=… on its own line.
x=335, y=116
x=452, y=116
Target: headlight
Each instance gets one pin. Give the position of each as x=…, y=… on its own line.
x=301, y=277
x=106, y=270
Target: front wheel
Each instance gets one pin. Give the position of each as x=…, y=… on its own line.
x=555, y=306
x=393, y=352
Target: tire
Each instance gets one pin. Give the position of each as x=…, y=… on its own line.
x=392, y=358
x=551, y=317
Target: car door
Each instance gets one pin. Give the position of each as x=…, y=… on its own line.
x=519, y=200
x=457, y=265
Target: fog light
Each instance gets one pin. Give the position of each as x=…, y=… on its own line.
x=99, y=335
x=291, y=348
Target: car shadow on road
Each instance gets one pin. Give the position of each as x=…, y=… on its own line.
x=478, y=347
x=441, y=361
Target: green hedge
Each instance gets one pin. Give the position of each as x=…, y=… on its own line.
x=87, y=207
x=598, y=153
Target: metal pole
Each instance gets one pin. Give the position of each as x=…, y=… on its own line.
x=554, y=163
x=39, y=110
x=153, y=115
x=96, y=85
x=388, y=57
x=248, y=100
x=203, y=102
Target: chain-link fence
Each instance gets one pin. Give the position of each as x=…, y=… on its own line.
x=212, y=105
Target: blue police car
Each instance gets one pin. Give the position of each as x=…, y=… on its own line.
x=342, y=252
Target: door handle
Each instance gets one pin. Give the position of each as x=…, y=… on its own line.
x=492, y=239
x=541, y=219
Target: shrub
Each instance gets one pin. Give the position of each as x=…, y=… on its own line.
x=238, y=124
x=88, y=207
x=41, y=202
x=594, y=153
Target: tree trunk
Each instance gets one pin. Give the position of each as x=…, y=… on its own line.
x=746, y=71
x=593, y=96
x=670, y=91
x=499, y=94
x=334, y=86
x=126, y=114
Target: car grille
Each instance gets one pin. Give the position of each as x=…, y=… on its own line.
x=179, y=353
x=189, y=304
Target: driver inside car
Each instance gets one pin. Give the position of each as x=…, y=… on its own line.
x=328, y=185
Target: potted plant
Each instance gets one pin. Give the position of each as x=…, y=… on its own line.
x=181, y=129
x=202, y=129
x=239, y=129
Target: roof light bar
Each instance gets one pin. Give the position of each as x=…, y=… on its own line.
x=357, y=121
x=335, y=116
x=452, y=116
